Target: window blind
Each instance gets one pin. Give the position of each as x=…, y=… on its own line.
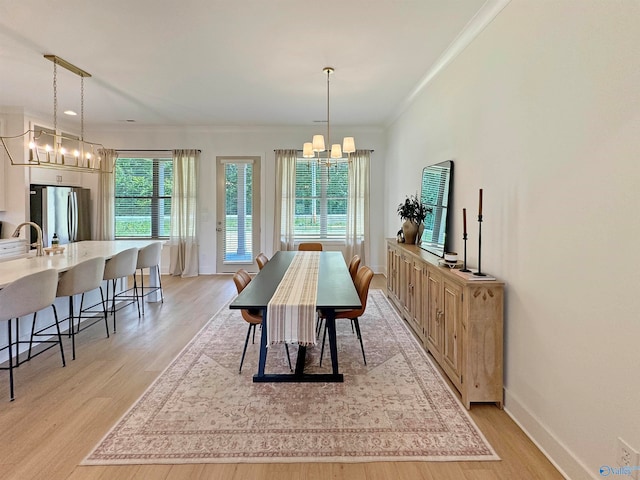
x=321, y=200
x=143, y=188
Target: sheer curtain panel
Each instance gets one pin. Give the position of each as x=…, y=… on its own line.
x=285, y=202
x=105, y=224
x=358, y=205
x=184, y=203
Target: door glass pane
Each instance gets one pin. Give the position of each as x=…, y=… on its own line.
x=238, y=245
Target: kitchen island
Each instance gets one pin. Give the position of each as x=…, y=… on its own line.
x=73, y=254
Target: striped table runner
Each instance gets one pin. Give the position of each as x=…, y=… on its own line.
x=291, y=312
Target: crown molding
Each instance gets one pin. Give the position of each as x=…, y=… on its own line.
x=476, y=25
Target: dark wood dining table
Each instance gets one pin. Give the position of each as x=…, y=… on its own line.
x=336, y=291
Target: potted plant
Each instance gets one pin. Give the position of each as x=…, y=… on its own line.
x=413, y=212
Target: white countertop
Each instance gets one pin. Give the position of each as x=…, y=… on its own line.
x=73, y=254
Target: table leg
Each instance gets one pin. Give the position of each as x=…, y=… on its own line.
x=302, y=353
x=333, y=346
x=263, y=344
x=299, y=375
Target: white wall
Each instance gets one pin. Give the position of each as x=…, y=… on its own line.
x=16, y=198
x=250, y=141
x=542, y=110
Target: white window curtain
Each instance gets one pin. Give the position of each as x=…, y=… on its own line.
x=285, y=201
x=184, y=202
x=358, y=205
x=105, y=224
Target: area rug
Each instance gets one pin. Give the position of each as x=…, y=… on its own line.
x=201, y=410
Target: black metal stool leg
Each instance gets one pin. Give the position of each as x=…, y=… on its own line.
x=33, y=330
x=113, y=302
x=55, y=315
x=160, y=284
x=72, y=328
x=104, y=309
x=10, y=359
x=142, y=290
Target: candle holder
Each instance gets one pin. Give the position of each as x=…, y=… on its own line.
x=479, y=272
x=464, y=265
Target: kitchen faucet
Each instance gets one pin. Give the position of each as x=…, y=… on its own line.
x=38, y=243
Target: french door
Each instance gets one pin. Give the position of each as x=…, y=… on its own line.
x=237, y=213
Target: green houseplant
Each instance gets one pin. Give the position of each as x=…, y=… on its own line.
x=413, y=212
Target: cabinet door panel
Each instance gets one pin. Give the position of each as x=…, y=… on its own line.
x=416, y=298
x=452, y=302
x=434, y=313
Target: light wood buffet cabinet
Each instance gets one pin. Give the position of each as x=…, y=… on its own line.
x=459, y=321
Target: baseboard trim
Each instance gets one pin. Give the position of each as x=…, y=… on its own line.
x=551, y=446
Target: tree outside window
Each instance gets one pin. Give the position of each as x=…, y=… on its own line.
x=321, y=200
x=143, y=188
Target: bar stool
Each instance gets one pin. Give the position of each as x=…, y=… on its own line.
x=24, y=296
x=121, y=265
x=82, y=278
x=148, y=257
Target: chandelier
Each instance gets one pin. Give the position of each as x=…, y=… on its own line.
x=51, y=148
x=317, y=145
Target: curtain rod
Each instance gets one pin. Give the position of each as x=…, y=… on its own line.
x=150, y=150
x=299, y=150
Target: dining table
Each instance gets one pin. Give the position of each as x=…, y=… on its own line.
x=335, y=291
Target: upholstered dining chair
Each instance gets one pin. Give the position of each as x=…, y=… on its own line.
x=261, y=260
x=310, y=247
x=354, y=264
x=241, y=278
x=353, y=269
x=362, y=282
x=26, y=295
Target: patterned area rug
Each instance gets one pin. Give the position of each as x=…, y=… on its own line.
x=200, y=410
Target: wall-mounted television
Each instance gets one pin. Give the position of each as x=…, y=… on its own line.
x=435, y=193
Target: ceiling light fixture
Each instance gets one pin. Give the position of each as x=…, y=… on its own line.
x=317, y=145
x=52, y=148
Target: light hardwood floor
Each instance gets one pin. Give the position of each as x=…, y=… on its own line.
x=60, y=413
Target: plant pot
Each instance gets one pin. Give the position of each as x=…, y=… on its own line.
x=410, y=231
x=419, y=234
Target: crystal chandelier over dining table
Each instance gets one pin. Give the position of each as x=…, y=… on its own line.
x=317, y=145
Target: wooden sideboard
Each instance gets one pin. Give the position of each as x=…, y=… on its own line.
x=459, y=321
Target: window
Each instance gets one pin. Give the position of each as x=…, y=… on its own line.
x=143, y=197
x=321, y=200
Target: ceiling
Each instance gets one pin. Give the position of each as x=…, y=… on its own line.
x=224, y=62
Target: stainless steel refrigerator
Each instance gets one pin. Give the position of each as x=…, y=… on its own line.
x=65, y=211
